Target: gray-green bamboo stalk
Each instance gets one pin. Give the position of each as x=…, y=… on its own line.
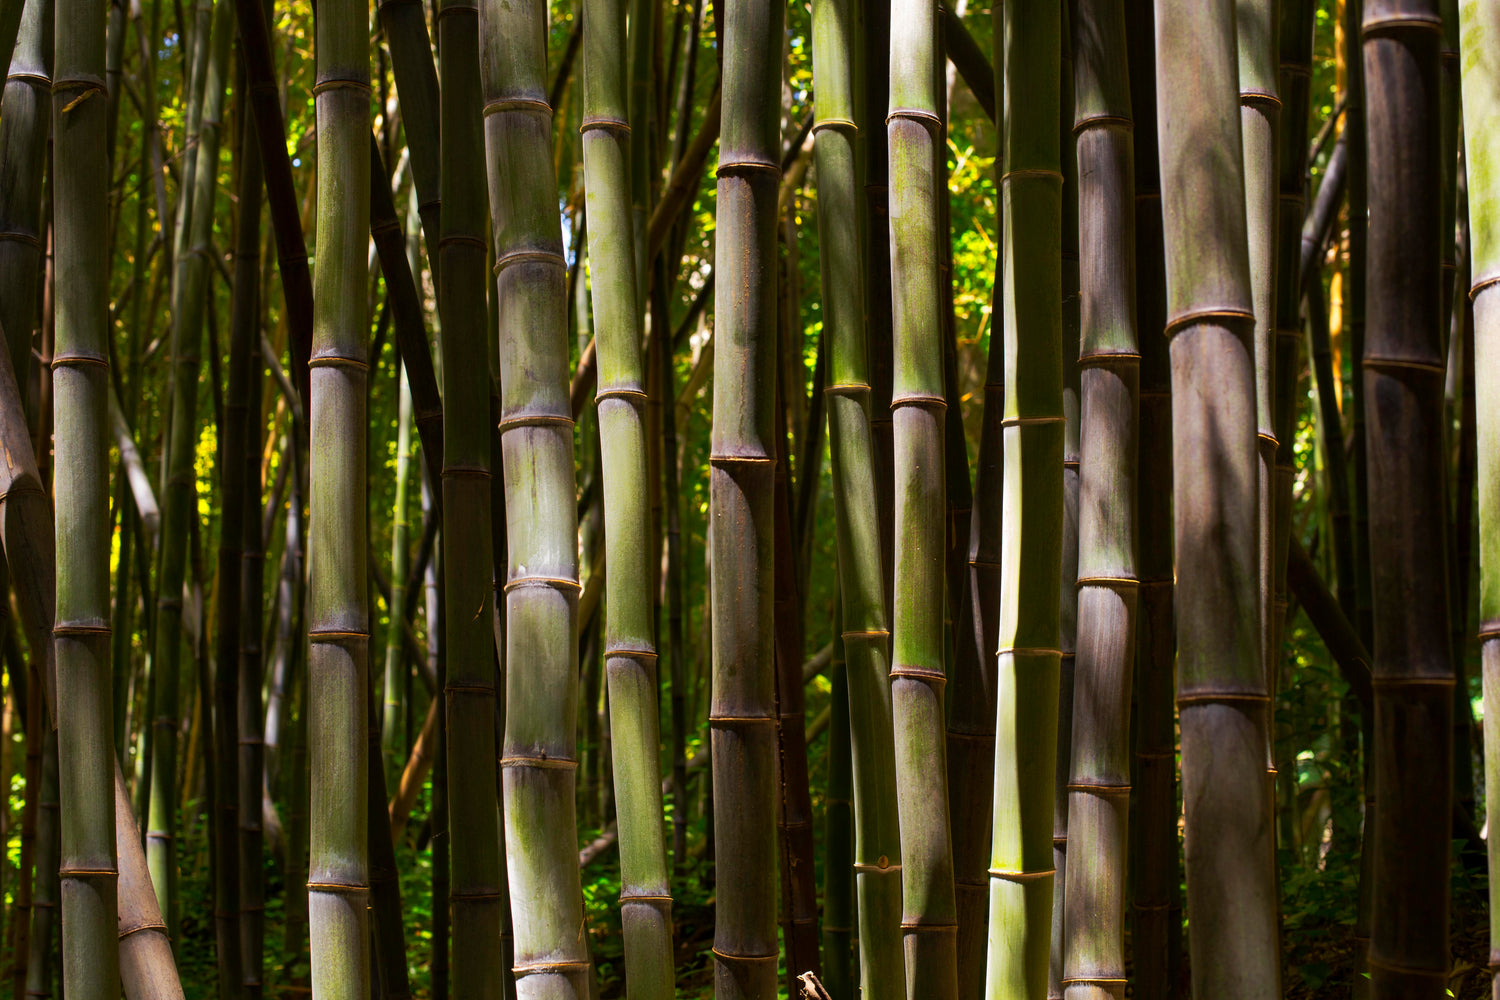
x=25, y=123
x=1021, y=862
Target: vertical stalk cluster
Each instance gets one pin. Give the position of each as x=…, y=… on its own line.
x=1404, y=364
x=338, y=880
x=1480, y=52
x=1021, y=861
x=538, y=756
x=477, y=898
x=1108, y=583
x=841, y=120
x=742, y=450
x=630, y=658
x=1221, y=689
x=80, y=388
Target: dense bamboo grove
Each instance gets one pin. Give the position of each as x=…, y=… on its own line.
x=560, y=499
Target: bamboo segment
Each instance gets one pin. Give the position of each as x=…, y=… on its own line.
x=25, y=121
x=1108, y=583
x=338, y=882
x=1021, y=862
x=1156, y=927
x=477, y=896
x=1480, y=53
x=147, y=970
x=838, y=869
x=630, y=658
x=539, y=756
x=842, y=118
x=405, y=27
x=1221, y=691
x=929, y=919
x=1404, y=363
x=742, y=716
x=80, y=381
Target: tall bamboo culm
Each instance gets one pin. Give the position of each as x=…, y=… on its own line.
x=1221, y=689
x=539, y=754
x=338, y=879
x=1021, y=862
x=630, y=658
x=1404, y=365
x=1479, y=49
x=842, y=120
x=80, y=389
x=742, y=449
x=25, y=122
x=477, y=893
x=1156, y=927
x=1108, y=584
x=190, y=303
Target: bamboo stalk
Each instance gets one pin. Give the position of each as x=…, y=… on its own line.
x=842, y=120
x=80, y=377
x=1404, y=366
x=838, y=870
x=338, y=881
x=25, y=124
x=538, y=755
x=1099, y=784
x=1021, y=862
x=405, y=28
x=630, y=657
x=1480, y=48
x=1221, y=689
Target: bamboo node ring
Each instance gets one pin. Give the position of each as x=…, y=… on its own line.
x=1259, y=97
x=1411, y=681
x=841, y=124
x=1031, y=173
x=529, y=105
x=1028, y=651
x=555, y=582
x=341, y=83
x=1394, y=25
x=1176, y=324
x=742, y=720
x=630, y=395
x=1098, y=789
x=955, y=734
x=650, y=899
x=15, y=237
x=335, y=635
x=66, y=872
x=923, y=399
x=1268, y=438
x=36, y=78
x=741, y=460
x=1025, y=421
x=543, y=762
x=1095, y=980
x=1103, y=121
x=465, y=472
x=1474, y=289
x=479, y=689
x=617, y=125
x=1407, y=969
x=916, y=115
x=1007, y=875
x=882, y=864
x=627, y=653
x=734, y=167
x=1068, y=463
x=926, y=674
x=1382, y=363
x=847, y=389
x=78, y=360
x=150, y=925
x=456, y=8
x=338, y=361
x=1210, y=697
x=555, y=968
x=917, y=926
x=475, y=895
x=1123, y=582
x=534, y=420
x=462, y=240
x=21, y=490
x=745, y=958
x=529, y=257
x=81, y=631
x=868, y=633
x=1109, y=358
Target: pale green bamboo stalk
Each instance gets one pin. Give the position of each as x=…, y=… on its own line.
x=1021, y=863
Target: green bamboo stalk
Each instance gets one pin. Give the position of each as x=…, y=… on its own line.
x=477, y=893
x=1480, y=50
x=250, y=753
x=1255, y=37
x=877, y=81
x=396, y=667
x=841, y=109
x=179, y=508
x=405, y=27
x=1072, y=320
x=1108, y=581
x=1221, y=690
x=1021, y=863
x=1404, y=364
x=25, y=123
x=839, y=913
x=80, y=378
x=741, y=471
x=338, y=882
x=630, y=658
x=929, y=920
x=538, y=756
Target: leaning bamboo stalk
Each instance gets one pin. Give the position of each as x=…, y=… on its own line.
x=1108, y=581
x=842, y=119
x=147, y=969
x=630, y=658
x=1480, y=49
x=477, y=893
x=80, y=379
x=1404, y=364
x=929, y=920
x=538, y=755
x=1021, y=862
x=1221, y=691
x=25, y=123
x=338, y=881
